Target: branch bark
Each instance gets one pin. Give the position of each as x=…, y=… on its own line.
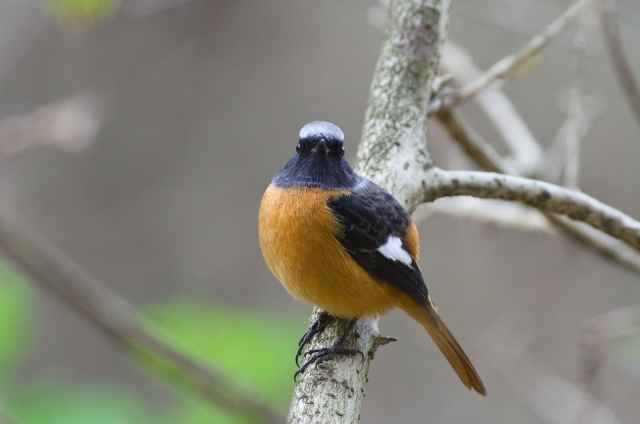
x=539, y=194
x=393, y=153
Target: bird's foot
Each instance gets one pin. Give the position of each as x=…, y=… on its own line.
x=324, y=354
x=317, y=327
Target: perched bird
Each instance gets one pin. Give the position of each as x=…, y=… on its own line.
x=342, y=243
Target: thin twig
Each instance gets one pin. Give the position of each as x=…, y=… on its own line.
x=574, y=112
x=526, y=152
x=544, y=196
x=618, y=57
x=114, y=316
x=473, y=144
x=509, y=64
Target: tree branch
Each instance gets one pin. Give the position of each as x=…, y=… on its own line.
x=473, y=144
x=117, y=318
x=526, y=152
x=393, y=153
x=618, y=57
x=544, y=196
x=511, y=63
x=484, y=155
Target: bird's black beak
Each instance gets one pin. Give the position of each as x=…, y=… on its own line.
x=321, y=146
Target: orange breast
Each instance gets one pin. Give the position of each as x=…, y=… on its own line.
x=297, y=239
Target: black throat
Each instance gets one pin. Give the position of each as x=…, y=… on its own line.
x=316, y=170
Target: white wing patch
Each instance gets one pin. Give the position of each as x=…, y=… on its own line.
x=393, y=250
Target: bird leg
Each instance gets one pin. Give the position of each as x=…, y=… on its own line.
x=317, y=327
x=324, y=354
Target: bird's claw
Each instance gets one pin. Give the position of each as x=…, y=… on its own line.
x=321, y=355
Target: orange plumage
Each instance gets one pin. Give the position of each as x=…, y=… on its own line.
x=296, y=236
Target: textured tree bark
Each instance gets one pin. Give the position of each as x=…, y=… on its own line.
x=539, y=194
x=393, y=153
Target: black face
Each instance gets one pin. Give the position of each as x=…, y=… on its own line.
x=321, y=145
x=319, y=160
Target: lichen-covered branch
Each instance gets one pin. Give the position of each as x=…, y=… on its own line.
x=393, y=150
x=393, y=153
x=539, y=194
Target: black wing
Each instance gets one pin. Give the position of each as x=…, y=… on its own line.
x=369, y=217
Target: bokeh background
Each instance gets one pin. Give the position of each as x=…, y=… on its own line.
x=202, y=104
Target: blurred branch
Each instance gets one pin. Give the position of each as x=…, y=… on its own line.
x=472, y=143
x=5, y=418
x=487, y=211
x=68, y=124
x=574, y=114
x=526, y=152
x=539, y=194
x=551, y=397
x=551, y=167
x=606, y=245
x=618, y=57
x=610, y=247
x=114, y=316
x=596, y=335
x=512, y=64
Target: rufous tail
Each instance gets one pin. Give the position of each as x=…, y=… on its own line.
x=431, y=321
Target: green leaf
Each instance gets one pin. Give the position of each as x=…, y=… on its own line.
x=16, y=310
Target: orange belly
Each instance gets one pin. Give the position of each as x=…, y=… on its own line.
x=297, y=239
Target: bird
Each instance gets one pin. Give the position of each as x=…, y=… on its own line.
x=344, y=244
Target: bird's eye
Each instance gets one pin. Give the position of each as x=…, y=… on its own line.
x=298, y=147
x=343, y=148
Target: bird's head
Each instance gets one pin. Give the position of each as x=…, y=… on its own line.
x=321, y=138
x=319, y=160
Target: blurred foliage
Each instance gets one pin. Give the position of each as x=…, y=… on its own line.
x=255, y=347
x=16, y=313
x=57, y=402
x=82, y=13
